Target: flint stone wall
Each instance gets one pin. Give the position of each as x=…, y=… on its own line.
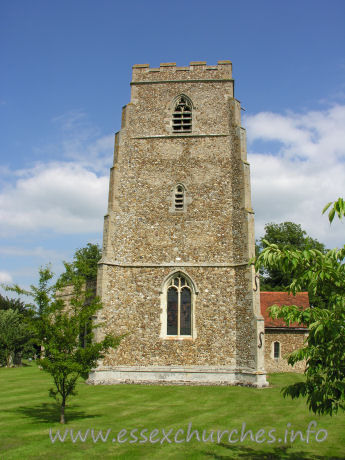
x=145, y=240
x=289, y=341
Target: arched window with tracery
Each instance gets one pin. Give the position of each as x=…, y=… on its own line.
x=182, y=115
x=179, y=306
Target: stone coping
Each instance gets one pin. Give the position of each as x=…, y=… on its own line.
x=173, y=64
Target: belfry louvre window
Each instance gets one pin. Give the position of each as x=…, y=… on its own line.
x=179, y=307
x=179, y=198
x=182, y=116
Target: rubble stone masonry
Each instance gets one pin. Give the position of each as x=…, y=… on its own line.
x=289, y=340
x=146, y=240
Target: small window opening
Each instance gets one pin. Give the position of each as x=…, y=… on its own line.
x=179, y=198
x=276, y=350
x=182, y=116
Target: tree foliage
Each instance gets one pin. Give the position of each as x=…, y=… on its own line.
x=324, y=350
x=84, y=266
x=284, y=235
x=15, y=337
x=16, y=332
x=15, y=304
x=65, y=331
x=84, y=263
x=35, y=308
x=337, y=208
x=67, y=356
x=40, y=295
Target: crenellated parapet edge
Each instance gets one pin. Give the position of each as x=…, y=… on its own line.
x=197, y=70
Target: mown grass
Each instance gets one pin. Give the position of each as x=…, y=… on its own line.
x=27, y=414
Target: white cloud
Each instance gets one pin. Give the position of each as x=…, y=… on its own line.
x=5, y=277
x=76, y=139
x=67, y=196
x=73, y=120
x=62, y=197
x=93, y=154
x=305, y=172
x=82, y=141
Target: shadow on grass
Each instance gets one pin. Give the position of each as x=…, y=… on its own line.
x=281, y=453
x=50, y=412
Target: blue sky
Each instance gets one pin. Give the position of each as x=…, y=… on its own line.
x=66, y=68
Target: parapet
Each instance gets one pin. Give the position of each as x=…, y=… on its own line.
x=168, y=71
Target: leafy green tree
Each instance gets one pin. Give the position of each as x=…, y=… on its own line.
x=15, y=336
x=84, y=268
x=16, y=305
x=337, y=208
x=324, y=349
x=284, y=235
x=41, y=294
x=65, y=356
x=16, y=328
x=84, y=264
x=35, y=309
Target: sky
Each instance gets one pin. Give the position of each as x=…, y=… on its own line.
x=66, y=69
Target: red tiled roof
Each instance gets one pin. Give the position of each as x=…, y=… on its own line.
x=267, y=299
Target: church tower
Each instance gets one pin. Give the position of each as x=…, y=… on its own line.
x=178, y=235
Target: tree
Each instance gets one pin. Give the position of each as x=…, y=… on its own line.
x=15, y=336
x=284, y=235
x=41, y=297
x=65, y=356
x=84, y=264
x=324, y=349
x=16, y=332
x=16, y=305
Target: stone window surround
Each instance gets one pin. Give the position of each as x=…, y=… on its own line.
x=273, y=350
x=186, y=199
x=172, y=109
x=179, y=198
x=163, y=297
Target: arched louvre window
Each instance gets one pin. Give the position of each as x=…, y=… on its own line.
x=276, y=350
x=179, y=306
x=179, y=198
x=182, y=116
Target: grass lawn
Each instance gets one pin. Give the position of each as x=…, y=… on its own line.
x=27, y=414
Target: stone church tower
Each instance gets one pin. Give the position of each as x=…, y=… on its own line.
x=179, y=234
